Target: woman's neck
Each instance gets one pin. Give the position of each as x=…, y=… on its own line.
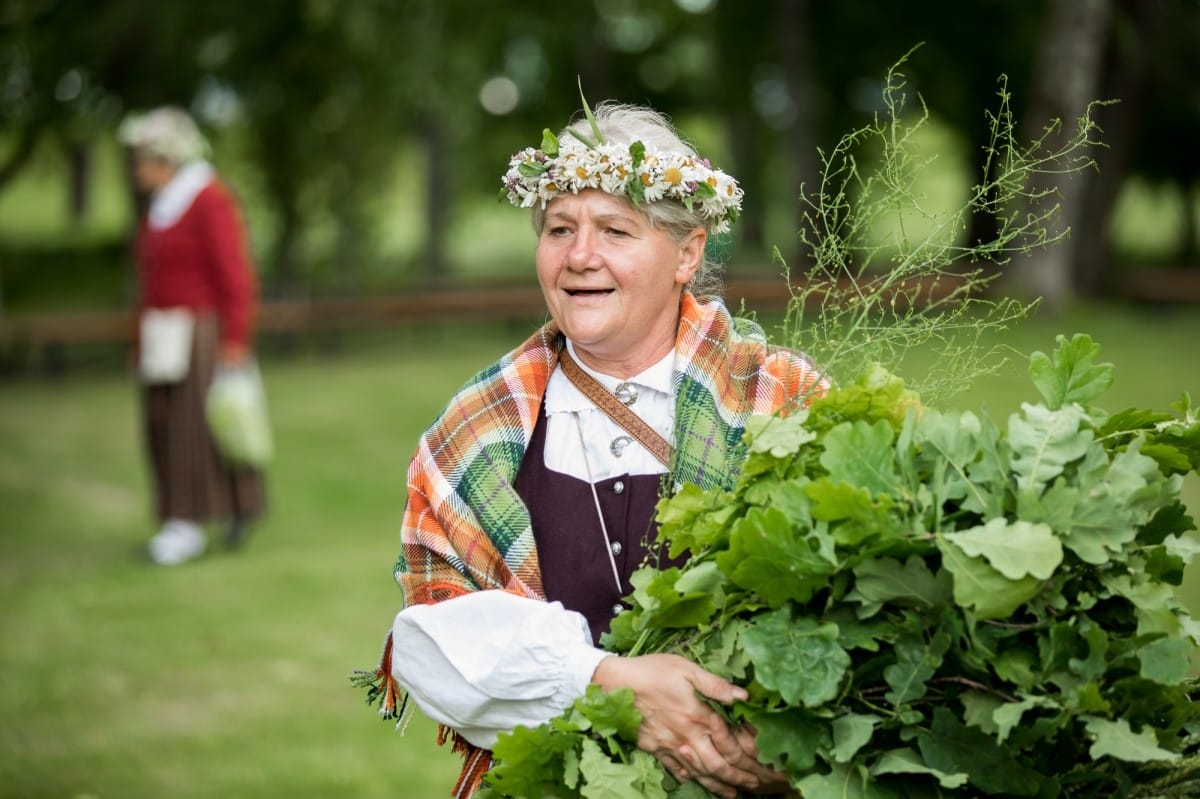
x=624, y=368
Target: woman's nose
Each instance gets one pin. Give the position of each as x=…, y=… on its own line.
x=583, y=254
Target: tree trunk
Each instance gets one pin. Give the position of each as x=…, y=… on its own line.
x=1125, y=78
x=745, y=146
x=1066, y=78
x=79, y=156
x=351, y=233
x=1190, y=250
x=27, y=139
x=140, y=202
x=750, y=228
x=795, y=44
x=284, y=270
x=437, y=198
x=593, y=64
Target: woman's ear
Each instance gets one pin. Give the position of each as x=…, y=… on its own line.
x=691, y=255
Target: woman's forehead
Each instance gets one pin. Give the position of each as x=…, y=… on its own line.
x=592, y=202
x=145, y=153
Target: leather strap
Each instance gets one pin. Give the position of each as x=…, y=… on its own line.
x=616, y=410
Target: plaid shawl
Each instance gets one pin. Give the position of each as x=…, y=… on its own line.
x=465, y=528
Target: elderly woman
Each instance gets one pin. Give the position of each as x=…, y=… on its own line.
x=531, y=499
x=196, y=297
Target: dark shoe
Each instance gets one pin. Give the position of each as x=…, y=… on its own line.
x=236, y=534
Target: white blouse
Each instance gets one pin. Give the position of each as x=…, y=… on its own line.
x=489, y=661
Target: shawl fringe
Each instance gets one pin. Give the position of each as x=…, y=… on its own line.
x=476, y=762
x=384, y=691
x=382, y=688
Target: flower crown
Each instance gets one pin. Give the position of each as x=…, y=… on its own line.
x=640, y=173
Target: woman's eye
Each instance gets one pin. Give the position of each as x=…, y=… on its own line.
x=617, y=232
x=559, y=231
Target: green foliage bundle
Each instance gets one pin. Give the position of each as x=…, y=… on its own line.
x=923, y=603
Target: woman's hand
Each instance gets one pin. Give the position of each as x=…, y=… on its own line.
x=688, y=737
x=233, y=354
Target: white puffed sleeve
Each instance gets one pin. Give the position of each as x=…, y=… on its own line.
x=488, y=661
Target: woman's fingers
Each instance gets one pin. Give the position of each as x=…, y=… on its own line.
x=714, y=687
x=771, y=780
x=674, y=767
x=722, y=758
x=686, y=766
x=690, y=739
x=730, y=756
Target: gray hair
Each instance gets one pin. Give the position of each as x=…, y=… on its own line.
x=626, y=124
x=168, y=132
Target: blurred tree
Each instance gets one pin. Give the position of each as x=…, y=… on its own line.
x=443, y=54
x=1145, y=56
x=317, y=86
x=60, y=61
x=1066, y=80
x=67, y=70
x=321, y=109
x=964, y=49
x=322, y=94
x=1154, y=68
x=745, y=60
x=794, y=37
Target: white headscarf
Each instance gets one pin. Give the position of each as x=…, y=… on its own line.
x=166, y=132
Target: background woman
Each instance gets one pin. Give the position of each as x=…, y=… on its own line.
x=197, y=292
x=529, y=505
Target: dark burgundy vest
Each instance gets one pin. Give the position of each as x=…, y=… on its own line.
x=570, y=543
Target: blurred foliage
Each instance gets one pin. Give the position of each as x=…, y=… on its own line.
x=314, y=99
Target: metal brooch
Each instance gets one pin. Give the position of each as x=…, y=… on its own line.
x=626, y=393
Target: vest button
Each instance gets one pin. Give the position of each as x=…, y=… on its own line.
x=619, y=487
x=616, y=547
x=616, y=610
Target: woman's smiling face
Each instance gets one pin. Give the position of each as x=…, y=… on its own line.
x=612, y=282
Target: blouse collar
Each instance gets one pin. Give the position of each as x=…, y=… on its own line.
x=562, y=395
x=174, y=199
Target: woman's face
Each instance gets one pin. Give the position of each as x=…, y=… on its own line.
x=611, y=281
x=150, y=172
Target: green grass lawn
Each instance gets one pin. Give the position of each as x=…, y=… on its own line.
x=227, y=677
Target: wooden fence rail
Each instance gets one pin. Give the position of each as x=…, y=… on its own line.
x=47, y=335
x=35, y=330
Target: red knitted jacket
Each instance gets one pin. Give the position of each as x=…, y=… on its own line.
x=201, y=262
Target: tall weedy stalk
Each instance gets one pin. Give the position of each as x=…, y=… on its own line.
x=865, y=298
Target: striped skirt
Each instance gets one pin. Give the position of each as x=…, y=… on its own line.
x=191, y=480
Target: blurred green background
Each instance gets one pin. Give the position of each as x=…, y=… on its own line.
x=365, y=139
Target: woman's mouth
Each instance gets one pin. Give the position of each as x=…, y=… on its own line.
x=588, y=292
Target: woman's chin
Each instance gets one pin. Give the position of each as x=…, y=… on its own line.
x=586, y=327
x=592, y=342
